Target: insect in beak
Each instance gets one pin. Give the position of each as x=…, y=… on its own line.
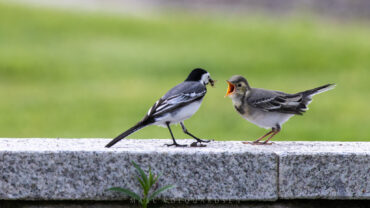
x=212, y=82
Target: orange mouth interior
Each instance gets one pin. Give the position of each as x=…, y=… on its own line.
x=230, y=88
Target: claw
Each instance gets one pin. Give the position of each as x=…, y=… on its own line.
x=266, y=143
x=176, y=145
x=205, y=141
x=195, y=144
x=252, y=143
x=258, y=143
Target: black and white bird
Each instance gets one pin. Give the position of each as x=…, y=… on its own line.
x=267, y=108
x=177, y=105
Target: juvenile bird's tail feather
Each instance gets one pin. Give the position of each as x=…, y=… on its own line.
x=318, y=90
x=138, y=126
x=307, y=97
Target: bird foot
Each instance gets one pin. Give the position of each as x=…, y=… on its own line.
x=197, y=144
x=268, y=143
x=252, y=143
x=204, y=141
x=176, y=145
x=258, y=143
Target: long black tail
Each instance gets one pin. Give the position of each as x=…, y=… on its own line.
x=138, y=126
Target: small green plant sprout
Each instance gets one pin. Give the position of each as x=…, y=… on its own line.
x=146, y=182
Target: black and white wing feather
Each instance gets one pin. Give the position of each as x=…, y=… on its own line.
x=279, y=102
x=179, y=96
x=275, y=101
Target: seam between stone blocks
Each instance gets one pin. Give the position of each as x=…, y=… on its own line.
x=278, y=176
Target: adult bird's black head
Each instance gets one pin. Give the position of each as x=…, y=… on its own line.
x=200, y=75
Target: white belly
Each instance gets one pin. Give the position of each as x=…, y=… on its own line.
x=268, y=119
x=179, y=115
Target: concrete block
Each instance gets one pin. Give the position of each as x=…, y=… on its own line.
x=82, y=169
x=324, y=170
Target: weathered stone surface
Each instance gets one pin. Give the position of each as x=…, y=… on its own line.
x=69, y=169
x=313, y=203
x=324, y=170
x=59, y=169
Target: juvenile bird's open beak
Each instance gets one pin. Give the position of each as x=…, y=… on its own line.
x=230, y=89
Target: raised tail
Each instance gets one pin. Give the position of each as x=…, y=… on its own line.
x=317, y=90
x=138, y=126
x=306, y=96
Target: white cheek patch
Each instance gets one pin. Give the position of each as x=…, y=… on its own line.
x=205, y=78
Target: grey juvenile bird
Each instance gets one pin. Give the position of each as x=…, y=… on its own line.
x=177, y=105
x=267, y=108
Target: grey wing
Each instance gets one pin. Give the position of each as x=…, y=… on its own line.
x=275, y=101
x=178, y=96
x=185, y=88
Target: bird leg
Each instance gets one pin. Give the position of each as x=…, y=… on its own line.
x=194, y=144
x=173, y=138
x=259, y=139
x=272, y=135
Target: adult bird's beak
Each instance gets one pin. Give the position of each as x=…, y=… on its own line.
x=230, y=88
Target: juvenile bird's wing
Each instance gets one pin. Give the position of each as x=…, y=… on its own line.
x=177, y=97
x=275, y=101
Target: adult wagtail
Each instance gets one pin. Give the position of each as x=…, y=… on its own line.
x=177, y=105
x=267, y=108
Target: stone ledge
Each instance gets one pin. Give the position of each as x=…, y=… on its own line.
x=189, y=204
x=82, y=169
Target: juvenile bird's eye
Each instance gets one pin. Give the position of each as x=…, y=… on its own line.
x=239, y=85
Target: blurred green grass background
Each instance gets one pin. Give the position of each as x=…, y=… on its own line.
x=76, y=74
